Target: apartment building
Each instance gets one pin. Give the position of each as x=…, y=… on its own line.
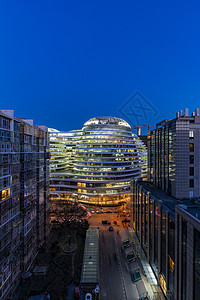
x=24, y=194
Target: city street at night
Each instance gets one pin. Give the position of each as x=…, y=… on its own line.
x=115, y=278
x=99, y=150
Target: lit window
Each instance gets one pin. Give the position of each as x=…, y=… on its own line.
x=191, y=147
x=5, y=194
x=171, y=263
x=191, y=134
x=163, y=284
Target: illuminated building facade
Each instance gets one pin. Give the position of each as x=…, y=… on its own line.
x=174, y=155
x=143, y=155
x=95, y=165
x=168, y=231
x=165, y=212
x=24, y=194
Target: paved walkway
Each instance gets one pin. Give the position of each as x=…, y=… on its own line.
x=149, y=278
x=142, y=286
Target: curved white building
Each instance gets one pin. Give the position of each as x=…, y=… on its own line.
x=94, y=165
x=143, y=155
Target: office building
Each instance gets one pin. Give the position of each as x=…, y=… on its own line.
x=168, y=231
x=174, y=155
x=165, y=210
x=24, y=194
x=94, y=165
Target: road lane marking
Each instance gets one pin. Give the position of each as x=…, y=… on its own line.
x=120, y=269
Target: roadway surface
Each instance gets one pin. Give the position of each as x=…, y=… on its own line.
x=115, y=279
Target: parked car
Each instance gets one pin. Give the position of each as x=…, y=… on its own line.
x=106, y=222
x=76, y=293
x=111, y=228
x=125, y=220
x=96, y=290
x=88, y=296
x=130, y=257
x=135, y=276
x=126, y=244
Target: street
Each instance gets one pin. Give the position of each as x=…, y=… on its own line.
x=115, y=279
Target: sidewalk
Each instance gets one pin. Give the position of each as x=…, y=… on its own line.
x=150, y=280
x=142, y=286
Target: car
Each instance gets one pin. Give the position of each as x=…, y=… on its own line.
x=126, y=244
x=75, y=221
x=96, y=290
x=126, y=220
x=135, y=276
x=55, y=221
x=88, y=296
x=130, y=257
x=111, y=228
x=106, y=222
x=76, y=293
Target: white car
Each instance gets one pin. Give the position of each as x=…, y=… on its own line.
x=88, y=296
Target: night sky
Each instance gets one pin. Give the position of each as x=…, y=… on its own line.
x=63, y=62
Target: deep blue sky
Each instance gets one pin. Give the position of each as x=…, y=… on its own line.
x=62, y=62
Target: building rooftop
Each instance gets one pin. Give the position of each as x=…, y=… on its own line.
x=107, y=120
x=90, y=267
x=191, y=206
